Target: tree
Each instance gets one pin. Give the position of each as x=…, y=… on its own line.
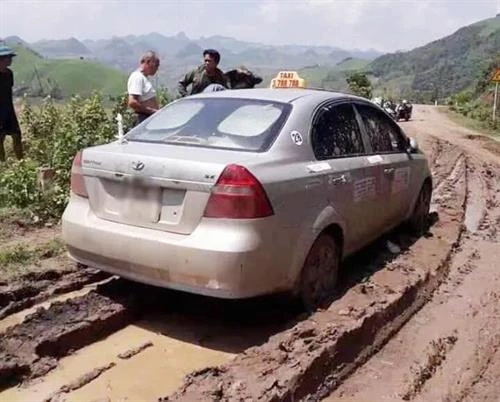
x=359, y=84
x=484, y=80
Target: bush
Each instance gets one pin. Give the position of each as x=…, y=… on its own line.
x=359, y=84
x=477, y=110
x=52, y=135
x=18, y=184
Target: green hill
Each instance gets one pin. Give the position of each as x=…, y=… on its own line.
x=436, y=70
x=332, y=77
x=352, y=63
x=443, y=67
x=61, y=48
x=37, y=76
x=314, y=75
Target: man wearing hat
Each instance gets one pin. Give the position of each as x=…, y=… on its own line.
x=8, y=119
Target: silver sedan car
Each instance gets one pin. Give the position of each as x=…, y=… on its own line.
x=246, y=192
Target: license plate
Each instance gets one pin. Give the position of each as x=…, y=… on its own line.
x=141, y=203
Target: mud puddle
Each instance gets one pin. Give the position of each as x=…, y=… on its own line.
x=476, y=205
x=183, y=332
x=32, y=348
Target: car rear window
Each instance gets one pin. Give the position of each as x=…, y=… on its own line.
x=227, y=123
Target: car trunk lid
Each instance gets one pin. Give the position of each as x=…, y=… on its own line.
x=158, y=186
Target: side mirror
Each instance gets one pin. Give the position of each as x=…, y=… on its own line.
x=413, y=145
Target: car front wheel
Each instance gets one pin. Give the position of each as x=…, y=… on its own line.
x=319, y=275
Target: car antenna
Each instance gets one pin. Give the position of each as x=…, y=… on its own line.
x=120, y=136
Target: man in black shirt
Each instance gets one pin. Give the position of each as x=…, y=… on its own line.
x=8, y=119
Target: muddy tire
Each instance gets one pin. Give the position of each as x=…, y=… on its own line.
x=419, y=220
x=319, y=276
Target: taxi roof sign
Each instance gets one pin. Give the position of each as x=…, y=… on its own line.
x=288, y=79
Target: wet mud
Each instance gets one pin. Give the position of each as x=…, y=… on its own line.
x=380, y=332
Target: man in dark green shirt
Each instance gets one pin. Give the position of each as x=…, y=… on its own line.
x=8, y=119
x=204, y=75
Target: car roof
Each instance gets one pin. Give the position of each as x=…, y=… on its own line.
x=277, y=94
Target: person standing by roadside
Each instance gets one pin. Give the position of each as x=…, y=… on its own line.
x=204, y=75
x=141, y=93
x=8, y=119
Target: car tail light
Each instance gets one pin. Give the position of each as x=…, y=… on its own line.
x=238, y=195
x=77, y=182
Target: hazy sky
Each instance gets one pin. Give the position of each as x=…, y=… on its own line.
x=386, y=25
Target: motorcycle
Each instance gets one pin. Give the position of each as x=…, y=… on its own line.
x=403, y=111
x=390, y=109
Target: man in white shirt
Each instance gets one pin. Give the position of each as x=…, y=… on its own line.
x=141, y=94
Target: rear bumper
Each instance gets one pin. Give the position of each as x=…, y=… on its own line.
x=220, y=258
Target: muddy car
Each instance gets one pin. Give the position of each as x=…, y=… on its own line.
x=246, y=192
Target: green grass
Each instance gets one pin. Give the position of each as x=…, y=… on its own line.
x=352, y=64
x=314, y=76
x=82, y=77
x=71, y=76
x=18, y=254
x=329, y=77
x=21, y=254
x=471, y=124
x=10, y=216
x=23, y=63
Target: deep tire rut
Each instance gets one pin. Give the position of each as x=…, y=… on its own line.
x=435, y=356
x=36, y=287
x=31, y=349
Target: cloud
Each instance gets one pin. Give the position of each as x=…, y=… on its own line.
x=386, y=25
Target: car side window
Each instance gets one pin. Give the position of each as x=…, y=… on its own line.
x=383, y=133
x=336, y=133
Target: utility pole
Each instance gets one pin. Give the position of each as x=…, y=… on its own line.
x=496, y=79
x=495, y=102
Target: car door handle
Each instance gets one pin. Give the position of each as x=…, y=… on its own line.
x=389, y=171
x=339, y=180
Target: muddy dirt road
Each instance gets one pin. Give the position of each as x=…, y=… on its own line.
x=450, y=349
x=421, y=324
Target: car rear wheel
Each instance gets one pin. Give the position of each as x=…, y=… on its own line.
x=419, y=221
x=319, y=275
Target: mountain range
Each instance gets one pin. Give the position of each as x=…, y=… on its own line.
x=437, y=69
x=180, y=53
